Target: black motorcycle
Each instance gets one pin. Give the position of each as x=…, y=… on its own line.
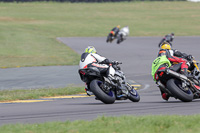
x=107, y=90
x=180, y=86
x=110, y=38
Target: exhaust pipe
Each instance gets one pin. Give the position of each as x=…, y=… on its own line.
x=177, y=75
x=180, y=76
x=162, y=87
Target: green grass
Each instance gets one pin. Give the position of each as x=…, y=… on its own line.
x=28, y=31
x=28, y=34
x=10, y=95
x=123, y=124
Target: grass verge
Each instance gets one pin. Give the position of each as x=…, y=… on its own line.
x=28, y=31
x=123, y=124
x=10, y=95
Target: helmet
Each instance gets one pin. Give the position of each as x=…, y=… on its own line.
x=165, y=45
x=90, y=49
x=118, y=26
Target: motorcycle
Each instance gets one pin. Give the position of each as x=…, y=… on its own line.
x=110, y=37
x=168, y=38
x=107, y=90
x=180, y=86
x=123, y=33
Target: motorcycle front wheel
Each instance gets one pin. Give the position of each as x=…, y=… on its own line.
x=119, y=40
x=175, y=87
x=109, y=38
x=133, y=95
x=107, y=97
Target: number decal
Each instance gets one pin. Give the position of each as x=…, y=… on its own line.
x=156, y=61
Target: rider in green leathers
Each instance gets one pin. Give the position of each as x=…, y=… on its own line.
x=159, y=61
x=167, y=57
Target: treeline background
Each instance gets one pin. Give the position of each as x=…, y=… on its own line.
x=82, y=0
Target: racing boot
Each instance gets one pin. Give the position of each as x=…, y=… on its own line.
x=165, y=96
x=185, y=72
x=88, y=92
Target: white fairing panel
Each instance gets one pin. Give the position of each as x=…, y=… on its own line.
x=124, y=31
x=88, y=60
x=171, y=52
x=111, y=71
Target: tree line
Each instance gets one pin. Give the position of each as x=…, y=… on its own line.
x=82, y=0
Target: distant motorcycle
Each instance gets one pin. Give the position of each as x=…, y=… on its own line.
x=105, y=90
x=110, y=37
x=123, y=33
x=113, y=34
x=178, y=85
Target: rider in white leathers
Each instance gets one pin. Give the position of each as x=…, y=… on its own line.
x=90, y=58
x=124, y=32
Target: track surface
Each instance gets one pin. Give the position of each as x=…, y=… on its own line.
x=136, y=53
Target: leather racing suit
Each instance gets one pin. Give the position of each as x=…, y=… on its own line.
x=114, y=31
x=95, y=60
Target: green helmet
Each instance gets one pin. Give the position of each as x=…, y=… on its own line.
x=90, y=49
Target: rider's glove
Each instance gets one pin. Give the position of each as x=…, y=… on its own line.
x=188, y=63
x=115, y=62
x=106, y=61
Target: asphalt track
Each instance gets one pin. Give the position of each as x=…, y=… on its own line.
x=136, y=53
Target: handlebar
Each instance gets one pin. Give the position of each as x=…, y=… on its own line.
x=116, y=63
x=113, y=63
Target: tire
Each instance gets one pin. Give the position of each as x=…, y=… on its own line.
x=174, y=86
x=133, y=95
x=107, y=40
x=100, y=94
x=118, y=41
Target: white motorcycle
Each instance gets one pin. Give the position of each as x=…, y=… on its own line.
x=123, y=33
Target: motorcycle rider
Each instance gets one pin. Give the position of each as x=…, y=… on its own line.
x=167, y=57
x=124, y=32
x=90, y=58
x=168, y=38
x=114, y=32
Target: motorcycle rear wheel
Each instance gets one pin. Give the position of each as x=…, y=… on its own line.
x=174, y=86
x=107, y=98
x=107, y=40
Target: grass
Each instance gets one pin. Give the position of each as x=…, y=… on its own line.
x=10, y=95
x=122, y=124
x=28, y=31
